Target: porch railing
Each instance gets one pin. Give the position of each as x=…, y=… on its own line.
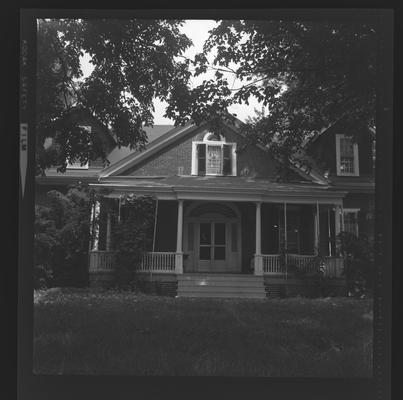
x=271, y=264
x=158, y=262
x=304, y=263
x=101, y=261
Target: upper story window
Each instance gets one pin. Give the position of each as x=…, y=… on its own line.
x=350, y=220
x=213, y=156
x=346, y=156
x=77, y=164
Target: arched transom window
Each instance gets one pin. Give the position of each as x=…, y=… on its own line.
x=213, y=156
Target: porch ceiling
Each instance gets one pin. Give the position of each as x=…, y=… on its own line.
x=221, y=188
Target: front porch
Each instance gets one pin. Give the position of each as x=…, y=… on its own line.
x=276, y=231
x=239, y=238
x=101, y=261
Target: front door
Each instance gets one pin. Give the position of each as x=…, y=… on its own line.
x=213, y=247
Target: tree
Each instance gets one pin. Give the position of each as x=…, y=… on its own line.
x=135, y=61
x=308, y=74
x=359, y=265
x=62, y=235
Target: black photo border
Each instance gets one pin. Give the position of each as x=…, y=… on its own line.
x=30, y=386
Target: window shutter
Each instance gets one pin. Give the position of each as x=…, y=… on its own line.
x=227, y=159
x=201, y=159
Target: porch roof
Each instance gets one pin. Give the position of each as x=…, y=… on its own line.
x=220, y=188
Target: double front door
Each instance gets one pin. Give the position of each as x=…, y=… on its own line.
x=212, y=246
x=216, y=250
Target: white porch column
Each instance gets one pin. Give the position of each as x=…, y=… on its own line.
x=108, y=231
x=179, y=234
x=329, y=236
x=258, y=249
x=95, y=224
x=316, y=230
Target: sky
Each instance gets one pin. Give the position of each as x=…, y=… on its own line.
x=197, y=31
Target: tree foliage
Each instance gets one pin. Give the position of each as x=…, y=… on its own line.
x=62, y=235
x=135, y=61
x=308, y=74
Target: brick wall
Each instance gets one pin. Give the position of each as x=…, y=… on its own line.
x=251, y=161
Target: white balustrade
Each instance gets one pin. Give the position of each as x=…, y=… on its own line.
x=304, y=263
x=271, y=264
x=163, y=262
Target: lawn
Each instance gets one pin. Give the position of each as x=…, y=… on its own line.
x=83, y=331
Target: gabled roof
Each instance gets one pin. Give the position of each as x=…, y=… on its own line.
x=153, y=134
x=164, y=140
x=131, y=159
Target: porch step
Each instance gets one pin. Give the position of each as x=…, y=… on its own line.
x=221, y=286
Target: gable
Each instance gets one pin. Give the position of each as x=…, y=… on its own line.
x=323, y=150
x=176, y=158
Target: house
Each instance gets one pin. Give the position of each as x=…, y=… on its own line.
x=225, y=224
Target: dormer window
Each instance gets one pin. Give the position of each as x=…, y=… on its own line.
x=346, y=156
x=213, y=156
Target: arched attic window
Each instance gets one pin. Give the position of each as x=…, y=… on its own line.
x=213, y=156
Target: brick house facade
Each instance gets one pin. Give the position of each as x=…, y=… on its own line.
x=223, y=214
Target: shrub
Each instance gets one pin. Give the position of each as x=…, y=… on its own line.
x=62, y=238
x=45, y=240
x=132, y=236
x=358, y=263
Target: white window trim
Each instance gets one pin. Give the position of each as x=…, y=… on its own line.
x=338, y=161
x=77, y=164
x=213, y=143
x=352, y=211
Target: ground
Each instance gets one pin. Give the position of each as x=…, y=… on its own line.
x=84, y=331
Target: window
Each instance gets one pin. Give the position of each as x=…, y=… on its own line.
x=213, y=156
x=346, y=156
x=350, y=220
x=77, y=164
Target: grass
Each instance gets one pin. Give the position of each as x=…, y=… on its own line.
x=83, y=331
